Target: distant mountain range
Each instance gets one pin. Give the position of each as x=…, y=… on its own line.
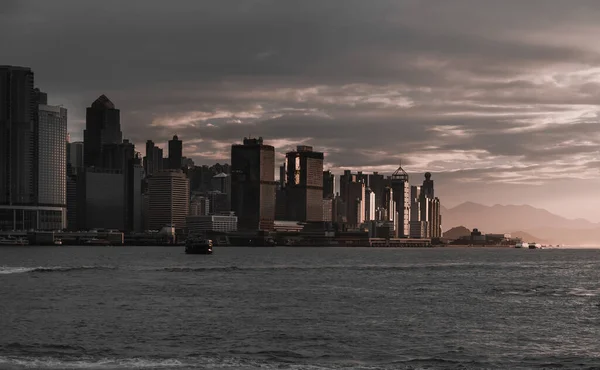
x=460, y=231
x=527, y=219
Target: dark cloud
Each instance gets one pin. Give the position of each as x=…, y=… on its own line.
x=485, y=94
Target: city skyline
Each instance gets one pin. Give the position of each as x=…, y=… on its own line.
x=499, y=114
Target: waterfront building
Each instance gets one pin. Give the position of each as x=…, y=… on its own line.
x=102, y=127
x=401, y=187
x=304, y=184
x=100, y=199
x=168, y=202
x=221, y=190
x=21, y=155
x=355, y=203
x=72, y=202
x=51, y=160
x=253, y=184
x=175, y=153
x=225, y=222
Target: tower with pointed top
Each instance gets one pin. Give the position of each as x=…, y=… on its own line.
x=401, y=188
x=102, y=127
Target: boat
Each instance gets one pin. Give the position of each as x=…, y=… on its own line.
x=198, y=246
x=535, y=245
x=521, y=245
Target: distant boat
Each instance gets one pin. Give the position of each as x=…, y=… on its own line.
x=521, y=245
x=198, y=246
x=535, y=245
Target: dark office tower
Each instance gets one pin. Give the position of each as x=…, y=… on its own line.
x=102, y=127
x=304, y=184
x=401, y=188
x=175, y=153
x=253, y=184
x=282, y=176
x=76, y=156
x=328, y=184
x=377, y=184
x=427, y=187
x=18, y=112
x=430, y=208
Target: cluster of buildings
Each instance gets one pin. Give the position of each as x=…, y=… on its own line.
x=102, y=182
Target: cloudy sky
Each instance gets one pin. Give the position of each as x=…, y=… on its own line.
x=498, y=99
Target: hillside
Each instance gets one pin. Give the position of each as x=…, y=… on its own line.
x=506, y=218
x=536, y=224
x=457, y=233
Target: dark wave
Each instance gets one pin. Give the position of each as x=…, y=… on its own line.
x=432, y=266
x=6, y=270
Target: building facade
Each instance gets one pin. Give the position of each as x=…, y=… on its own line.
x=198, y=225
x=20, y=208
x=168, y=202
x=100, y=199
x=253, y=184
x=175, y=153
x=52, y=159
x=304, y=184
x=102, y=127
x=401, y=187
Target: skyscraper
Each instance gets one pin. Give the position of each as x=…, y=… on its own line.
x=304, y=184
x=153, y=161
x=401, y=188
x=30, y=149
x=253, y=184
x=328, y=184
x=52, y=156
x=430, y=208
x=102, y=127
x=175, y=153
x=76, y=156
x=168, y=202
x=18, y=111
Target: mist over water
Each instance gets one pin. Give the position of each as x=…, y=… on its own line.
x=299, y=308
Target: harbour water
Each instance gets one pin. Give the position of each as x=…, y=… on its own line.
x=299, y=308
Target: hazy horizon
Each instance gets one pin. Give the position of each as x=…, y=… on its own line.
x=497, y=99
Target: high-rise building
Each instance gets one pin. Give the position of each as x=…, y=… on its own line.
x=355, y=203
x=18, y=111
x=100, y=199
x=328, y=184
x=102, y=127
x=52, y=156
x=401, y=188
x=430, y=208
x=377, y=183
x=369, y=205
x=175, y=153
x=253, y=184
x=304, y=184
x=168, y=202
x=75, y=156
x=153, y=161
x=22, y=153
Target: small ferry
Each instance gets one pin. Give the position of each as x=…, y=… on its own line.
x=521, y=245
x=198, y=246
x=535, y=245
